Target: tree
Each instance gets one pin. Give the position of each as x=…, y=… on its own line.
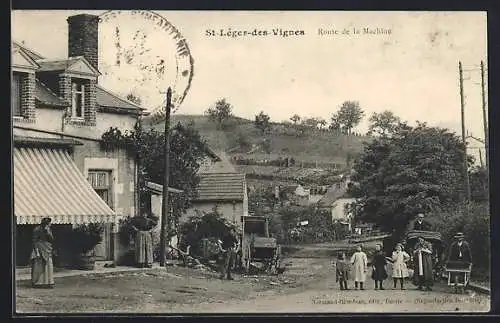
x=133, y=98
x=348, y=116
x=187, y=151
x=417, y=169
x=295, y=119
x=220, y=112
x=383, y=124
x=262, y=122
x=311, y=123
x=479, y=184
x=321, y=123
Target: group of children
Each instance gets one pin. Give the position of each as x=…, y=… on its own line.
x=358, y=266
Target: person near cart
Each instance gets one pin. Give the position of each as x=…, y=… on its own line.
x=423, y=272
x=459, y=254
x=228, y=248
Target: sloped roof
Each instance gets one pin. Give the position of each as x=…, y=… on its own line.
x=31, y=53
x=44, y=95
x=332, y=194
x=221, y=187
x=158, y=188
x=223, y=165
x=105, y=98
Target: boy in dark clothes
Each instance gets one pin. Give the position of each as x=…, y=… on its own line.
x=342, y=271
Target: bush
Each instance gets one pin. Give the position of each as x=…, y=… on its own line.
x=86, y=237
x=475, y=226
x=203, y=226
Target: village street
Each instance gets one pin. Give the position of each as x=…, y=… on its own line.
x=308, y=285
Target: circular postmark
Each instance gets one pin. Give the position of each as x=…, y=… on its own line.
x=141, y=54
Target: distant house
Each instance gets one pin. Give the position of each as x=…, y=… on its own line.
x=340, y=212
x=301, y=195
x=335, y=200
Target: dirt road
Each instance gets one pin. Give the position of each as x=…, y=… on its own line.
x=308, y=285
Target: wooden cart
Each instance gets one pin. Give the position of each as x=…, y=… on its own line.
x=259, y=250
x=458, y=273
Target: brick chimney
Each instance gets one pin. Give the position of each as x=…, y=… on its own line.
x=83, y=37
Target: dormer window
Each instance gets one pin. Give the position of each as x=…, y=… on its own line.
x=78, y=100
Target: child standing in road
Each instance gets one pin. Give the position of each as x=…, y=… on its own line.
x=359, y=262
x=399, y=268
x=379, y=273
x=342, y=271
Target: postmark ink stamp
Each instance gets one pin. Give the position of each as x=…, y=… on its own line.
x=143, y=52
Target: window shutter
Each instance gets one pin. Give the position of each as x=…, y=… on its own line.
x=16, y=95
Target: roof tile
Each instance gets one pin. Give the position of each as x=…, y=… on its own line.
x=221, y=186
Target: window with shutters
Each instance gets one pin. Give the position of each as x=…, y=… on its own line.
x=16, y=94
x=101, y=182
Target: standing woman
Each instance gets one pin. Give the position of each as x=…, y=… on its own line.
x=424, y=276
x=359, y=262
x=379, y=273
x=399, y=268
x=144, y=240
x=42, y=268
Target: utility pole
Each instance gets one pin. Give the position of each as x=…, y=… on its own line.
x=462, y=108
x=485, y=122
x=165, y=205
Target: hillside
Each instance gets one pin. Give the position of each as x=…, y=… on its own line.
x=241, y=139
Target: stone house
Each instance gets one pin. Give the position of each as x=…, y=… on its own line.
x=59, y=114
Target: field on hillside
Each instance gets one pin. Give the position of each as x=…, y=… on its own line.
x=308, y=146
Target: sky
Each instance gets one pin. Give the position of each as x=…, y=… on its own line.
x=413, y=71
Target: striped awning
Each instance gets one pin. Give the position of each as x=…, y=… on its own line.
x=47, y=183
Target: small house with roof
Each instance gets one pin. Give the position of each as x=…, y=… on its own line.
x=59, y=113
x=336, y=201
x=221, y=187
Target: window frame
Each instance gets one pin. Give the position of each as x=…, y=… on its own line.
x=107, y=186
x=74, y=92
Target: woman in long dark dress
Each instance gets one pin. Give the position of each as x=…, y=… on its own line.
x=42, y=268
x=143, y=239
x=379, y=273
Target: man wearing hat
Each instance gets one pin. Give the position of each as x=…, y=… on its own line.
x=420, y=224
x=228, y=245
x=459, y=252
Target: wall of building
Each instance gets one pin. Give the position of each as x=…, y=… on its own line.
x=50, y=119
x=230, y=211
x=91, y=156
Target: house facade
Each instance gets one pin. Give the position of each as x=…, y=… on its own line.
x=58, y=103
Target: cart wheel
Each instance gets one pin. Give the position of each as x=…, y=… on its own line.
x=277, y=260
x=247, y=260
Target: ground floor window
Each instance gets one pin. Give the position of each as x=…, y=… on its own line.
x=101, y=181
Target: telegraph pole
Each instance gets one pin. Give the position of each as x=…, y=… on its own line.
x=165, y=204
x=485, y=122
x=462, y=108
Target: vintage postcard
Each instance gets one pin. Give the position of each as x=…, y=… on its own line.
x=250, y=162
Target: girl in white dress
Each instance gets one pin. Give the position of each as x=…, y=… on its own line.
x=399, y=268
x=360, y=266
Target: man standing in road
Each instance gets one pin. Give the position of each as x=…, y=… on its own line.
x=459, y=254
x=228, y=246
x=420, y=224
